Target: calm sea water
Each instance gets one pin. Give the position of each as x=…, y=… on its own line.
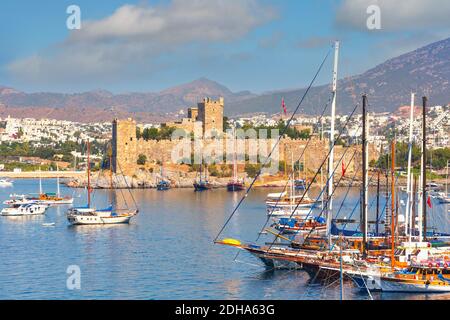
x=167, y=251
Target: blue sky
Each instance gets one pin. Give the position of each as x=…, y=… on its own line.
x=257, y=45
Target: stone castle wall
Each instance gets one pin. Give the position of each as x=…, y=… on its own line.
x=127, y=148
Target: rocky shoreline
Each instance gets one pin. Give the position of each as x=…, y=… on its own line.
x=185, y=180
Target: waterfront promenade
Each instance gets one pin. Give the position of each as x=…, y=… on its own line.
x=42, y=174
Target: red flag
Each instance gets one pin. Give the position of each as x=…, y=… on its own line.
x=429, y=202
x=344, y=169
x=283, y=105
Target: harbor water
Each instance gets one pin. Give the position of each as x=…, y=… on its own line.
x=166, y=252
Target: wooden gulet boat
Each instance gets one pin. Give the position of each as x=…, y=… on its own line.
x=202, y=184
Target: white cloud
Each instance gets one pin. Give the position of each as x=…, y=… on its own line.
x=396, y=15
x=135, y=37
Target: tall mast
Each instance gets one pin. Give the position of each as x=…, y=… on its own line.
x=58, y=191
x=378, y=203
x=408, y=183
x=365, y=190
x=89, y=173
x=235, y=175
x=424, y=168
x=446, y=181
x=331, y=158
x=392, y=204
x=40, y=181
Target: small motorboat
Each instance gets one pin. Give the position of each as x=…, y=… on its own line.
x=29, y=209
x=49, y=224
x=6, y=183
x=163, y=185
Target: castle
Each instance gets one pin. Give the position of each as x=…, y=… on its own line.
x=203, y=120
x=208, y=117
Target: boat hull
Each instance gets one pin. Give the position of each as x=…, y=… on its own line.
x=201, y=187
x=235, y=187
x=97, y=220
x=15, y=212
x=386, y=284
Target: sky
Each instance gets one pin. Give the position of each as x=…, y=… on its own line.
x=256, y=45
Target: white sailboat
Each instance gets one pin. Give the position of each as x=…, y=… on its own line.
x=91, y=216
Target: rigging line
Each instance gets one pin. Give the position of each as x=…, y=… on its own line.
x=291, y=174
x=334, y=190
x=128, y=187
x=274, y=147
x=317, y=172
x=348, y=191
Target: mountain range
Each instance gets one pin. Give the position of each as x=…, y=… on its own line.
x=388, y=85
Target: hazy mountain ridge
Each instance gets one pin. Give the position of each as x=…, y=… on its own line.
x=424, y=71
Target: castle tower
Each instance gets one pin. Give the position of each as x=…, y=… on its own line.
x=210, y=112
x=124, y=146
x=193, y=113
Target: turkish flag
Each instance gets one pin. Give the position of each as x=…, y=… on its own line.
x=344, y=169
x=283, y=105
x=429, y=202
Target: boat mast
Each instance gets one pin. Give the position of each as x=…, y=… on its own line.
x=378, y=203
x=58, y=191
x=408, y=183
x=292, y=183
x=446, y=181
x=341, y=273
x=392, y=204
x=424, y=168
x=364, y=176
x=235, y=174
x=89, y=173
x=40, y=181
x=331, y=158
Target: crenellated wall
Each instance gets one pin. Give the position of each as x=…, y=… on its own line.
x=126, y=149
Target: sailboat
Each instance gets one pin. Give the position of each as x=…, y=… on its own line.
x=89, y=215
x=163, y=184
x=202, y=183
x=235, y=184
x=46, y=198
x=426, y=268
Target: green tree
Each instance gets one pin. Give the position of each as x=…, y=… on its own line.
x=252, y=169
x=142, y=159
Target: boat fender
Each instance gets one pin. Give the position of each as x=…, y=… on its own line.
x=446, y=265
x=438, y=265
x=430, y=265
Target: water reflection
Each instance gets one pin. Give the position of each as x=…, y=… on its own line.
x=167, y=251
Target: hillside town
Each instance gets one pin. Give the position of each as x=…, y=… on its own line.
x=381, y=125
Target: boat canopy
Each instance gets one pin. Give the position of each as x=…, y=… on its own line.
x=105, y=209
